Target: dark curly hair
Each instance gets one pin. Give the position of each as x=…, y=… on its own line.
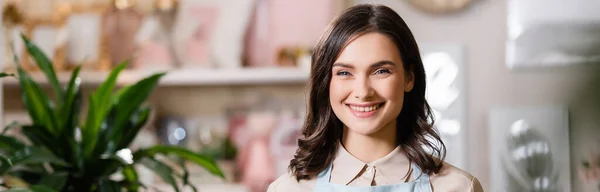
x=322, y=130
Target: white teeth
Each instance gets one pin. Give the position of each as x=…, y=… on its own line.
x=364, y=109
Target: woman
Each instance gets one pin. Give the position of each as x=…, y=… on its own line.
x=368, y=121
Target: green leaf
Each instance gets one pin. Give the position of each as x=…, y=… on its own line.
x=41, y=188
x=55, y=181
x=5, y=164
x=6, y=75
x=90, y=131
x=138, y=120
x=128, y=103
x=30, y=171
x=70, y=142
x=203, y=161
x=120, y=92
x=10, y=144
x=69, y=111
x=106, y=166
x=109, y=145
x=106, y=185
x=46, y=65
x=37, y=103
x=36, y=155
x=19, y=190
x=131, y=176
x=186, y=176
x=76, y=154
x=162, y=170
x=104, y=92
x=69, y=119
x=100, y=103
x=39, y=135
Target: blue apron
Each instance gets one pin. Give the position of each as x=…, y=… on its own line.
x=420, y=184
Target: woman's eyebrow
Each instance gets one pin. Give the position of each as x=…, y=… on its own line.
x=374, y=65
x=343, y=65
x=382, y=63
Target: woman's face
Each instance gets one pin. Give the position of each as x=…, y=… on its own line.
x=368, y=84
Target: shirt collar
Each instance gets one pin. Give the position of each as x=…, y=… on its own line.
x=346, y=167
x=392, y=168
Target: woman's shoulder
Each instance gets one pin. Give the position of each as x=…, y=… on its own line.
x=451, y=178
x=288, y=183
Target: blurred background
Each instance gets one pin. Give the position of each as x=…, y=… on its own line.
x=514, y=84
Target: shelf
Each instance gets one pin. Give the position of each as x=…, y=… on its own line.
x=189, y=77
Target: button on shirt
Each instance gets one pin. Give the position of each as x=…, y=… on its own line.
x=394, y=168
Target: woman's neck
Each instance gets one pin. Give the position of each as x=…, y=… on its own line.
x=369, y=148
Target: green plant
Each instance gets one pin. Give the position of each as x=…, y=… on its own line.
x=63, y=154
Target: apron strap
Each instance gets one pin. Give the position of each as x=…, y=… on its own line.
x=418, y=174
x=324, y=176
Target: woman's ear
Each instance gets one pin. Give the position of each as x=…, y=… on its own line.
x=409, y=81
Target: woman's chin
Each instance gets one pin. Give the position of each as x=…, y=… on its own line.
x=364, y=130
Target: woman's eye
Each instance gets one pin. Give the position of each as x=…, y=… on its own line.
x=342, y=73
x=382, y=71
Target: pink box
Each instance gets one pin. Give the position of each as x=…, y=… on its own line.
x=285, y=23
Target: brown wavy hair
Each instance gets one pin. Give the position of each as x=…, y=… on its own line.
x=322, y=130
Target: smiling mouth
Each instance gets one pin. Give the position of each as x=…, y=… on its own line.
x=364, y=111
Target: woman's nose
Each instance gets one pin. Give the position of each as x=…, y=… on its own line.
x=362, y=88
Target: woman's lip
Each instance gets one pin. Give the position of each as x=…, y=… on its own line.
x=364, y=114
x=363, y=104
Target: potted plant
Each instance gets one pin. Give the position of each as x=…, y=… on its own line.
x=61, y=153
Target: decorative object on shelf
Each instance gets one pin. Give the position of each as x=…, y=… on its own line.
x=121, y=24
x=256, y=53
x=278, y=25
x=12, y=18
x=211, y=138
x=154, y=40
x=446, y=89
x=529, y=149
x=294, y=57
x=441, y=6
x=533, y=28
x=236, y=123
x=251, y=125
x=255, y=160
x=208, y=136
x=173, y=130
x=88, y=40
x=284, y=139
x=210, y=33
x=530, y=153
x=63, y=155
x=45, y=23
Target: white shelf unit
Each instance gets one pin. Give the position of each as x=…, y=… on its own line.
x=188, y=77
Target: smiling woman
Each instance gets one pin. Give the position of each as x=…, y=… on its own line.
x=368, y=85
x=369, y=127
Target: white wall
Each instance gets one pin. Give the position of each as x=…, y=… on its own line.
x=482, y=31
x=554, y=10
